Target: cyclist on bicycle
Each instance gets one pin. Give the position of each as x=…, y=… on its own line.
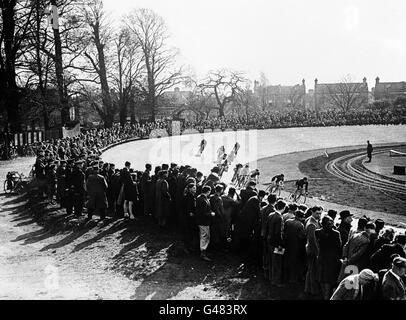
x=277, y=182
x=300, y=184
x=237, y=173
x=254, y=176
x=202, y=145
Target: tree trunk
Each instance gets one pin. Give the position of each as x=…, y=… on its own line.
x=221, y=110
x=106, y=97
x=10, y=89
x=63, y=100
x=41, y=87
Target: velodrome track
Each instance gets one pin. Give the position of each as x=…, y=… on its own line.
x=256, y=144
x=349, y=168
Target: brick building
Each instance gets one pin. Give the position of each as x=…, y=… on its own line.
x=281, y=97
x=388, y=90
x=344, y=95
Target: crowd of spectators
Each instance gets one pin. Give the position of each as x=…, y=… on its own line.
x=254, y=120
x=294, y=244
x=301, y=118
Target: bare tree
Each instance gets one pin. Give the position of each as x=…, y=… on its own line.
x=96, y=40
x=223, y=85
x=128, y=68
x=347, y=95
x=245, y=99
x=61, y=48
x=295, y=96
x=14, y=22
x=199, y=102
x=262, y=91
x=159, y=70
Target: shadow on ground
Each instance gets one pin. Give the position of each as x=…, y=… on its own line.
x=152, y=257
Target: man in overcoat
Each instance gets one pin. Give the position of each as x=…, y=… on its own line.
x=96, y=187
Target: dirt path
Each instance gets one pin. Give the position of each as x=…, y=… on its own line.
x=121, y=260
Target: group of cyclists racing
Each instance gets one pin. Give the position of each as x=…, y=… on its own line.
x=277, y=185
x=243, y=175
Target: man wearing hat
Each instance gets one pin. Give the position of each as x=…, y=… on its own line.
x=145, y=188
x=180, y=188
x=203, y=220
x=294, y=238
x=213, y=178
x=75, y=183
x=96, y=187
x=39, y=169
x=172, y=181
x=218, y=228
x=61, y=181
x=345, y=226
x=355, y=251
x=163, y=199
x=248, y=192
x=381, y=259
x=393, y=287
x=51, y=180
x=353, y=286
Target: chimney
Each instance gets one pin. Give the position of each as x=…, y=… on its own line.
x=303, y=82
x=364, y=80
x=315, y=81
x=376, y=81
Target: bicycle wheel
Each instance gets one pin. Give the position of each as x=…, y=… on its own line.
x=8, y=186
x=301, y=199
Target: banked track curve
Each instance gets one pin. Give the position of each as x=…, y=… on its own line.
x=349, y=168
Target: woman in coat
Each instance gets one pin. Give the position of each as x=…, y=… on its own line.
x=133, y=195
x=328, y=261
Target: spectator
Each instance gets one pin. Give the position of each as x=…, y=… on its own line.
x=351, y=288
x=294, y=238
x=393, y=288
x=328, y=261
x=345, y=226
x=96, y=187
x=312, y=251
x=203, y=220
x=275, y=243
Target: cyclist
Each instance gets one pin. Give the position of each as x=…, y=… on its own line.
x=300, y=185
x=243, y=179
x=220, y=154
x=237, y=174
x=202, y=145
x=277, y=182
x=223, y=167
x=254, y=176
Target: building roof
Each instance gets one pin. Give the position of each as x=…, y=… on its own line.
x=335, y=87
x=391, y=87
x=279, y=89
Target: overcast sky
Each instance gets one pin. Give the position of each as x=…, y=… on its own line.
x=288, y=40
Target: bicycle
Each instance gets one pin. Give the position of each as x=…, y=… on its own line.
x=299, y=196
x=13, y=180
x=275, y=189
x=242, y=180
